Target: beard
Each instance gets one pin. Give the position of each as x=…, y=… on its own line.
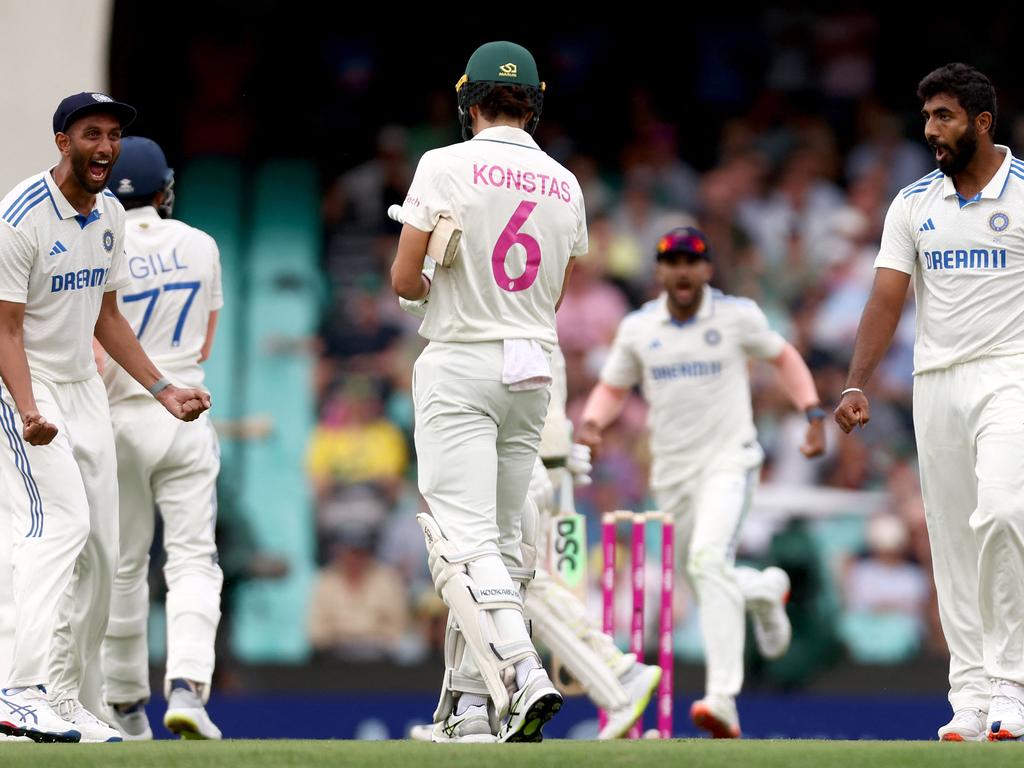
x=958, y=157
x=80, y=169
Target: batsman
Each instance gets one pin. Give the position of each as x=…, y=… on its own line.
x=481, y=386
x=585, y=660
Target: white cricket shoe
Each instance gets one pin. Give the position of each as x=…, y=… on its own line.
x=131, y=720
x=717, y=715
x=186, y=716
x=93, y=730
x=27, y=712
x=968, y=724
x=530, y=707
x=1006, y=711
x=772, y=630
x=640, y=682
x=473, y=726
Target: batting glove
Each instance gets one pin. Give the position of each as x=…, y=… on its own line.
x=578, y=464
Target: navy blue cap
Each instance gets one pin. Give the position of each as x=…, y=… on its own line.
x=141, y=169
x=82, y=104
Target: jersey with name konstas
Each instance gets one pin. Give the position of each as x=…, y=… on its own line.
x=967, y=261
x=522, y=219
x=695, y=379
x=175, y=284
x=59, y=263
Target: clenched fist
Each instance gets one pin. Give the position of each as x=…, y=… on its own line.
x=37, y=430
x=184, y=403
x=853, y=410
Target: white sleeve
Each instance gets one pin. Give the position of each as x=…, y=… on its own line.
x=898, y=250
x=216, y=289
x=17, y=255
x=118, y=276
x=622, y=368
x=427, y=200
x=758, y=339
x=582, y=244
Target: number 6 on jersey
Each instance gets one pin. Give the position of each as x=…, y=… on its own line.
x=509, y=237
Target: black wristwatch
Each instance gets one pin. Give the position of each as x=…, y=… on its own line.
x=815, y=413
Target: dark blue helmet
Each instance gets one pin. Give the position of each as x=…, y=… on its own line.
x=140, y=172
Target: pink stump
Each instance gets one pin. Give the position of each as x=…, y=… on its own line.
x=607, y=586
x=665, y=626
x=636, y=634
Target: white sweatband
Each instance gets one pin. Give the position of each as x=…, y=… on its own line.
x=159, y=385
x=851, y=389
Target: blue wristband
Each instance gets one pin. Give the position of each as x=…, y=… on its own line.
x=815, y=413
x=159, y=385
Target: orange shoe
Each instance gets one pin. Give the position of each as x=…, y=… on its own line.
x=968, y=724
x=717, y=716
x=1006, y=711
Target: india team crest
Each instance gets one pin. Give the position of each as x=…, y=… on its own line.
x=108, y=240
x=998, y=221
x=712, y=337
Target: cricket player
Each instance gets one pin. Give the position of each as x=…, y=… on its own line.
x=689, y=350
x=615, y=681
x=61, y=263
x=957, y=232
x=172, y=300
x=480, y=387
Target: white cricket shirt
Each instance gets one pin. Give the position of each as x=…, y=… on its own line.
x=174, y=272
x=967, y=260
x=59, y=263
x=522, y=218
x=695, y=378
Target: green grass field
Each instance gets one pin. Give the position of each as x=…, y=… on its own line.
x=555, y=753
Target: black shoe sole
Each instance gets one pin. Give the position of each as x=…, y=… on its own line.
x=40, y=737
x=542, y=710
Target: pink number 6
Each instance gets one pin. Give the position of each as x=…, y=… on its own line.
x=510, y=236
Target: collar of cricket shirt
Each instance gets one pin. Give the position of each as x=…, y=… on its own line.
x=506, y=134
x=991, y=191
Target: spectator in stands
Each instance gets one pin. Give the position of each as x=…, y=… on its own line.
x=354, y=443
x=885, y=596
x=359, y=608
x=358, y=201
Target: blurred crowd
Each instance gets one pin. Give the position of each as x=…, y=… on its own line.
x=794, y=210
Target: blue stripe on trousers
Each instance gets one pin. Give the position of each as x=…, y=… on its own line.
x=9, y=426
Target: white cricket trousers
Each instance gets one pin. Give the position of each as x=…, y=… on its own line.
x=7, y=619
x=476, y=443
x=969, y=422
x=172, y=466
x=708, y=512
x=64, y=512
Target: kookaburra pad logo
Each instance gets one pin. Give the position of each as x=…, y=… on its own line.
x=499, y=592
